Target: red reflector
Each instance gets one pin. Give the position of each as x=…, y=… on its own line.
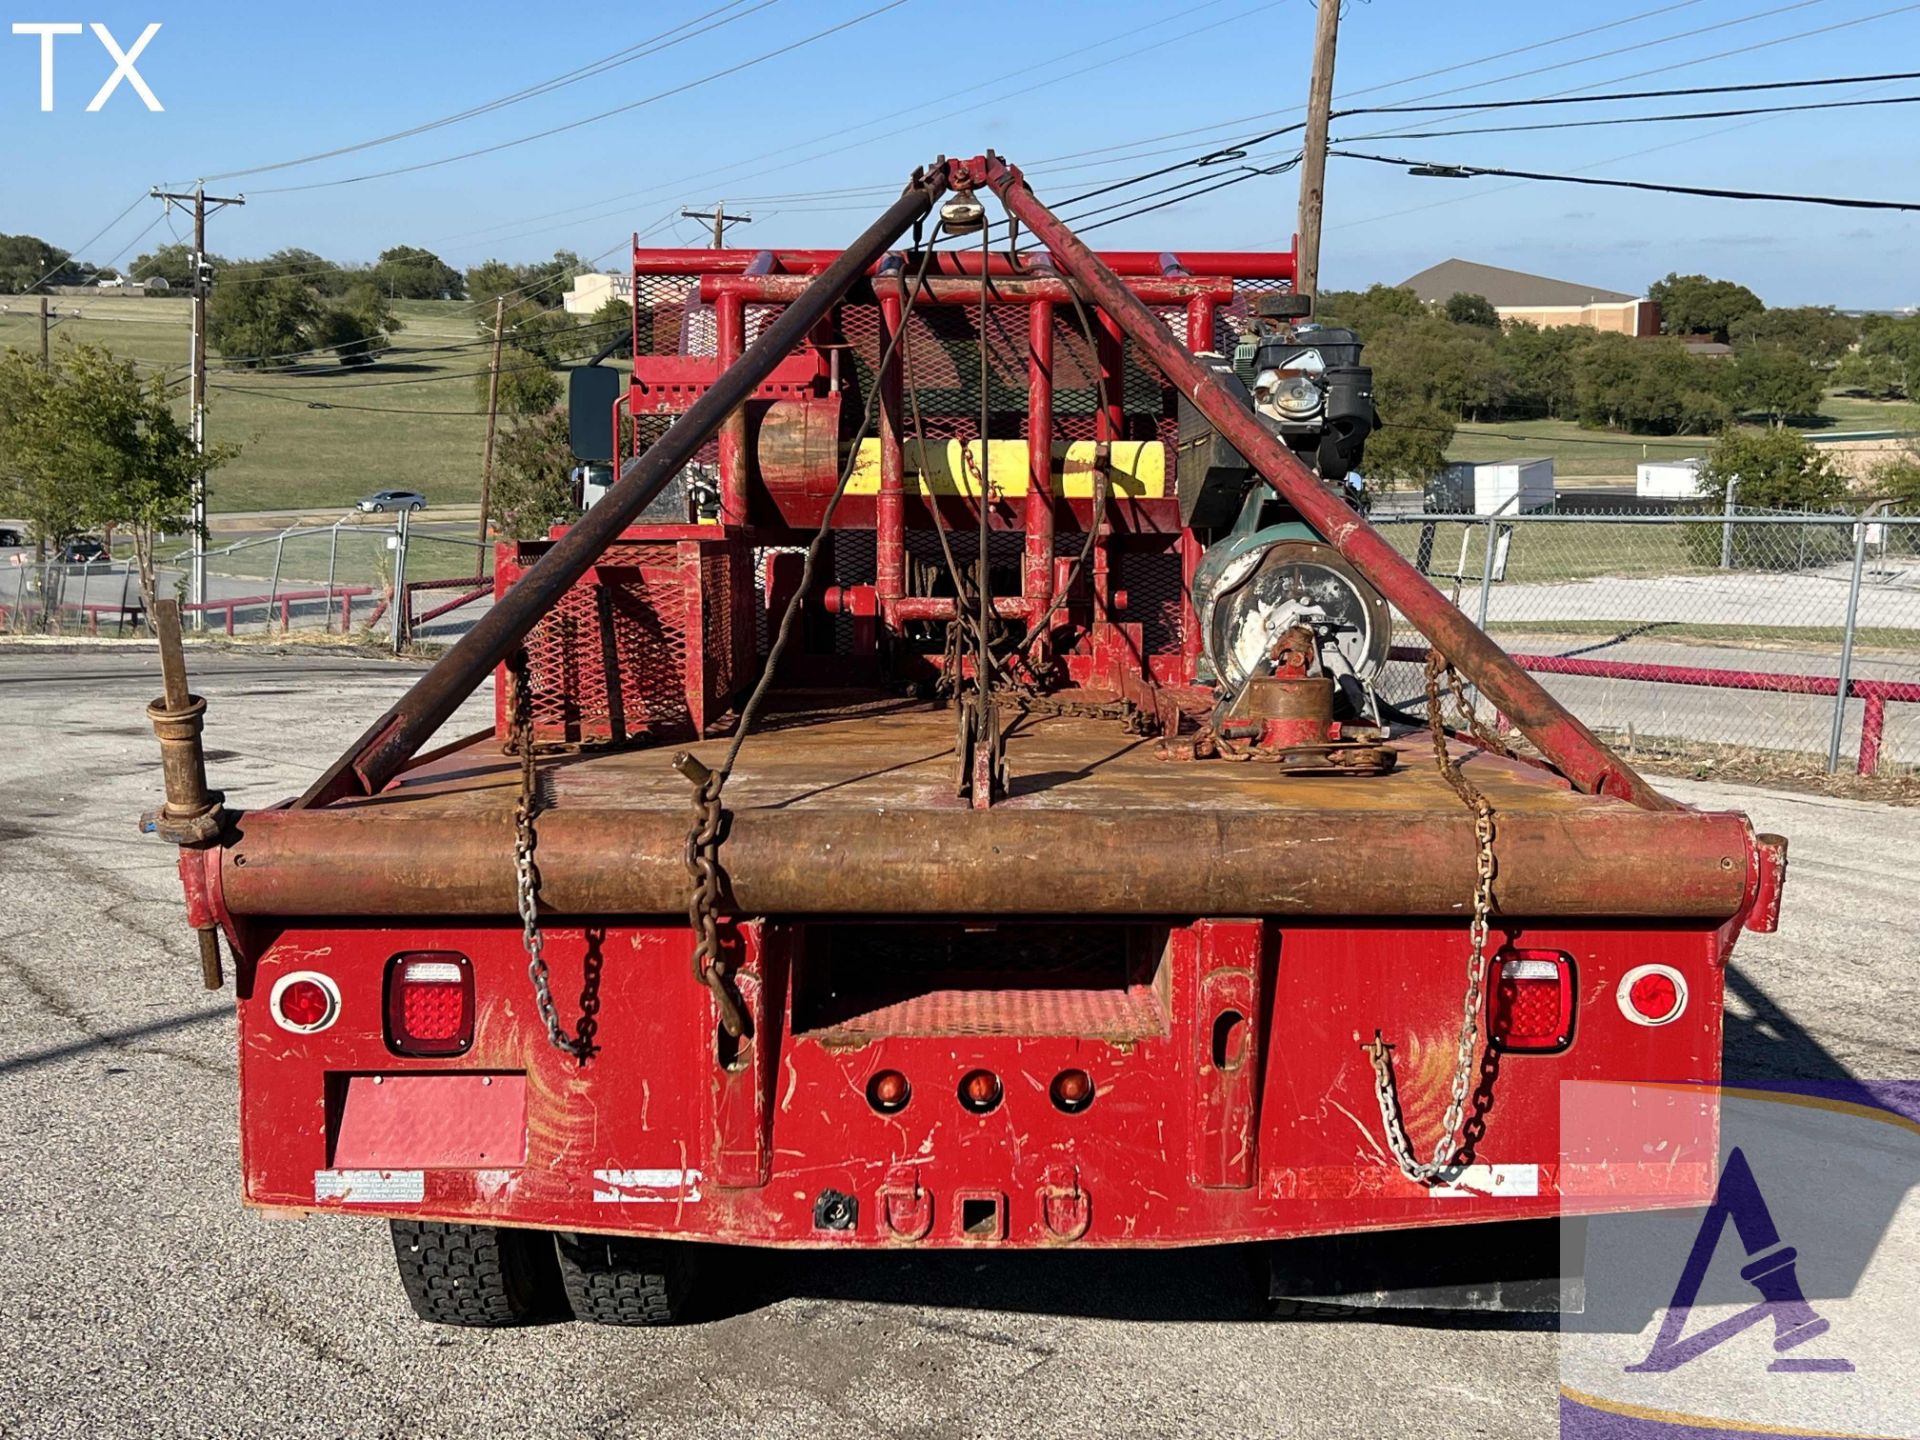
x=1532, y=1000
x=305, y=1004
x=430, y=1004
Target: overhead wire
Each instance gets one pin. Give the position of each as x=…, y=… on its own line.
x=653, y=45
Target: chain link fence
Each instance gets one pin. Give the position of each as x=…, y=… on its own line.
x=1686, y=634
x=339, y=579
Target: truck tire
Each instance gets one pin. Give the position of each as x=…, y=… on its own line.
x=475, y=1275
x=623, y=1281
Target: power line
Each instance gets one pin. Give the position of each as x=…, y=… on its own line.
x=1448, y=171
x=1569, y=98
x=653, y=45
x=1640, y=119
x=680, y=89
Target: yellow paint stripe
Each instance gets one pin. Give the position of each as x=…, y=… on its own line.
x=1138, y=469
x=1700, y=1422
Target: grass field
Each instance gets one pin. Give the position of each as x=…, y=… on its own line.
x=326, y=436
x=297, y=452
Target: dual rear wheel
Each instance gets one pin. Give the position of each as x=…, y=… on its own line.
x=491, y=1276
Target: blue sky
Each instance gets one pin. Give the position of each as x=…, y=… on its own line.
x=247, y=85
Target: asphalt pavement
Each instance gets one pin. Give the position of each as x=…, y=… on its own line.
x=138, y=1297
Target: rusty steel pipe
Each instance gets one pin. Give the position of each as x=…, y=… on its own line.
x=397, y=736
x=1575, y=750
x=1017, y=290
x=192, y=817
x=1246, y=264
x=371, y=861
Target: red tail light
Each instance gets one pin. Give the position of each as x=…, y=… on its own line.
x=430, y=1003
x=1532, y=1000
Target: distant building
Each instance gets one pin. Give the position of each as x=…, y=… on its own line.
x=593, y=289
x=1516, y=295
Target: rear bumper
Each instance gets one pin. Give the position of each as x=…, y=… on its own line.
x=1200, y=1130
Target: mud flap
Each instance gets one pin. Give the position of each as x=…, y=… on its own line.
x=1521, y=1267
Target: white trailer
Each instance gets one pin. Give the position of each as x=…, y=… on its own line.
x=1668, y=479
x=1493, y=487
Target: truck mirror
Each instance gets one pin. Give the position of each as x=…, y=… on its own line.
x=591, y=391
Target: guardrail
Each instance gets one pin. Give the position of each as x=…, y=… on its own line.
x=285, y=600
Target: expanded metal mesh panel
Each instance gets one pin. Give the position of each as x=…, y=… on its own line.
x=649, y=644
x=1004, y=980
x=1155, y=595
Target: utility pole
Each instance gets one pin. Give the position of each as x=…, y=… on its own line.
x=1313, y=159
x=493, y=415
x=721, y=220
x=46, y=354
x=197, y=423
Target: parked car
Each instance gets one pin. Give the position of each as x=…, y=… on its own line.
x=87, y=550
x=13, y=534
x=382, y=500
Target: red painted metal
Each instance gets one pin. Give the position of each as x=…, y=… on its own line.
x=1036, y=571
x=1158, y=1081
x=1173, y=1149
x=1876, y=693
x=1560, y=737
x=1248, y=264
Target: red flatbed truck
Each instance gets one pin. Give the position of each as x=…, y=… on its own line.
x=848, y=870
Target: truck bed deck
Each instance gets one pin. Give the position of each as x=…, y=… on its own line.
x=848, y=807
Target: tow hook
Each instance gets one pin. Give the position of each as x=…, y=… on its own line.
x=192, y=817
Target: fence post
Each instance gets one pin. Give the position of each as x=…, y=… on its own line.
x=1846, y=646
x=333, y=555
x=1726, y=528
x=1486, y=570
x=273, y=590
x=400, y=605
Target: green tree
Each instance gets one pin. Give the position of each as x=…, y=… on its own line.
x=26, y=260
x=88, y=445
x=532, y=485
x=1648, y=386
x=325, y=277
x=1773, y=382
x=1537, y=367
x=260, y=317
x=1818, y=332
x=541, y=285
x=1465, y=309
x=527, y=385
x=358, y=326
x=406, y=272
x=1698, y=305
x=1776, y=470
x=1370, y=310
x=1888, y=360
x=173, y=264
x=1410, y=447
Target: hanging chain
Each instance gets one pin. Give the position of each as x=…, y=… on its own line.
x=526, y=873
x=703, y=897
x=1446, y=1148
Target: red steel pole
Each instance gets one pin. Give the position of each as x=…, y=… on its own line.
x=1575, y=750
x=1036, y=577
x=729, y=333
x=890, y=506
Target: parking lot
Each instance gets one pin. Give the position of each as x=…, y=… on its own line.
x=141, y=1299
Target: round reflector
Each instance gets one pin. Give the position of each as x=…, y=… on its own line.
x=888, y=1092
x=1072, y=1091
x=1652, y=994
x=304, y=1002
x=980, y=1091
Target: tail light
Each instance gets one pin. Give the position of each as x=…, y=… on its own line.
x=430, y=1003
x=304, y=1001
x=1652, y=994
x=1532, y=1000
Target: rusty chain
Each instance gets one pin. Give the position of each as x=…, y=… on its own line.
x=1445, y=1150
x=703, y=898
x=526, y=872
